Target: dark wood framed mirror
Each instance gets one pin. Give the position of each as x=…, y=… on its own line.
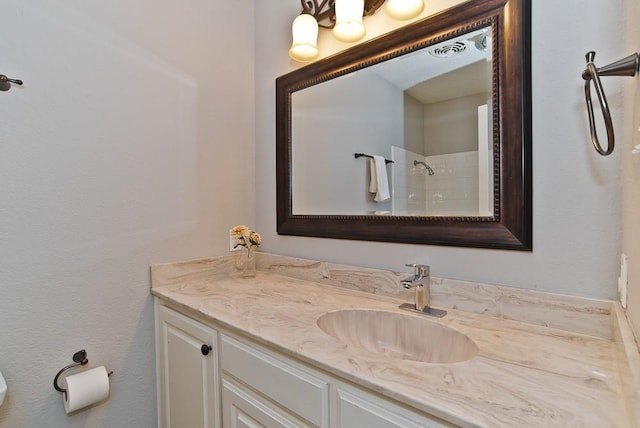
x=322, y=188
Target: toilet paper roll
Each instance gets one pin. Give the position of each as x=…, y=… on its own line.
x=86, y=388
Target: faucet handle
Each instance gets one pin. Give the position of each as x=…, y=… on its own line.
x=420, y=270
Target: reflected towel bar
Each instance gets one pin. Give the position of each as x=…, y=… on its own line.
x=627, y=66
x=360, y=155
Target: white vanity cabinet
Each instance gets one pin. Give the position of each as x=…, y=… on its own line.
x=257, y=387
x=274, y=390
x=187, y=371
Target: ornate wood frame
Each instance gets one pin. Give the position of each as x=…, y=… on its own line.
x=511, y=225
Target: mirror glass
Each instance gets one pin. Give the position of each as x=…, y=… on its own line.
x=422, y=135
x=427, y=112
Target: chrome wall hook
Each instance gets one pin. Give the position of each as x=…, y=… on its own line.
x=360, y=155
x=5, y=82
x=627, y=66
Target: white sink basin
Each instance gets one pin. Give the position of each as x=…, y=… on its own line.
x=3, y=388
x=398, y=336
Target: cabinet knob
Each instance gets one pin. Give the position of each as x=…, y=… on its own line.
x=205, y=349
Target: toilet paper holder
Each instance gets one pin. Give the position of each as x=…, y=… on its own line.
x=79, y=359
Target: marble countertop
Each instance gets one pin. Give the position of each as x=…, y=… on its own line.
x=524, y=375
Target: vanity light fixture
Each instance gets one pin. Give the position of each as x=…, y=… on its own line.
x=404, y=9
x=305, y=38
x=349, y=26
x=344, y=17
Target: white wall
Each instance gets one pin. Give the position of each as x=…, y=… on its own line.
x=326, y=137
x=451, y=126
x=629, y=137
x=131, y=143
x=413, y=124
x=576, y=219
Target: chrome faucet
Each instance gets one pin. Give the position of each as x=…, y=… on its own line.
x=421, y=282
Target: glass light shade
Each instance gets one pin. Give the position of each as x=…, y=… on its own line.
x=349, y=27
x=404, y=9
x=305, y=38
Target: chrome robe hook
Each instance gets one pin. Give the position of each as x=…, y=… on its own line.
x=627, y=66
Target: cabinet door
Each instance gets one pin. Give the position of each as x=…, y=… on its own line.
x=188, y=380
x=243, y=408
x=356, y=408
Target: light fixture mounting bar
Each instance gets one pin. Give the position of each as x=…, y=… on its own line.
x=371, y=6
x=324, y=11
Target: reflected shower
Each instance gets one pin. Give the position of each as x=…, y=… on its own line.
x=426, y=167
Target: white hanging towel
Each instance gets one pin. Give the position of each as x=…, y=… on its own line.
x=379, y=182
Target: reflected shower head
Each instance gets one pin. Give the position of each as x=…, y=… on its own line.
x=426, y=167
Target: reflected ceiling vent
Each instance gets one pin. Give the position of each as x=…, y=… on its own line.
x=447, y=51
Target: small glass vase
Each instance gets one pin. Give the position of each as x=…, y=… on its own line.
x=246, y=262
